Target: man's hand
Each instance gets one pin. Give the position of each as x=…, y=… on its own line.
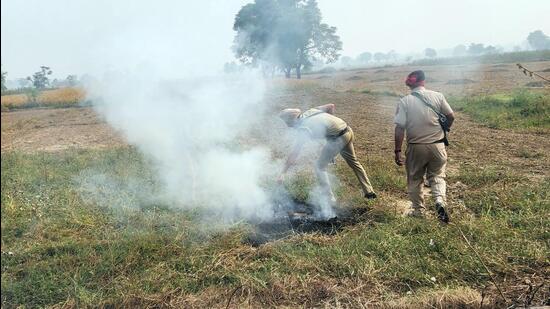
x=327, y=108
x=399, y=159
x=399, y=136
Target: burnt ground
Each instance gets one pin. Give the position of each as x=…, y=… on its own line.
x=300, y=220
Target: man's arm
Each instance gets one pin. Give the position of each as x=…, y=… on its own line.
x=447, y=111
x=400, y=121
x=291, y=159
x=327, y=108
x=399, y=136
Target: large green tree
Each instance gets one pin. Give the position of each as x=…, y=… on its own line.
x=284, y=34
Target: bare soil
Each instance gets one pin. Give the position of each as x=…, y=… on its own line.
x=50, y=130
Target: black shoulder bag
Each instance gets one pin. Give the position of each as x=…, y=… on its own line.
x=442, y=119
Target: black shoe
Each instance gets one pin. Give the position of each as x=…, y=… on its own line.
x=441, y=213
x=370, y=195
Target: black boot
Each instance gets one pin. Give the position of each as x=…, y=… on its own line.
x=441, y=213
x=370, y=195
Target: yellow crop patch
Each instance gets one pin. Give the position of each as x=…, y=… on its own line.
x=47, y=98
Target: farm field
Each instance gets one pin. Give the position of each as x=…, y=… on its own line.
x=62, y=250
x=62, y=97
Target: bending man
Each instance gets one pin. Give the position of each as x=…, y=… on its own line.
x=320, y=123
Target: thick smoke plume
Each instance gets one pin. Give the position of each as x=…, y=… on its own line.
x=192, y=130
x=165, y=93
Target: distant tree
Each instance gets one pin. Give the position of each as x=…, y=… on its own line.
x=40, y=79
x=4, y=75
x=538, y=40
x=517, y=48
x=23, y=83
x=346, y=61
x=476, y=49
x=288, y=34
x=460, y=50
x=86, y=79
x=430, y=53
x=378, y=57
x=55, y=83
x=490, y=50
x=391, y=55
x=71, y=80
x=364, y=57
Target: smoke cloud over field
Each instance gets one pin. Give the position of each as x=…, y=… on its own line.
x=190, y=129
x=163, y=91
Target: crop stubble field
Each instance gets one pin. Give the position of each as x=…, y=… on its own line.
x=60, y=250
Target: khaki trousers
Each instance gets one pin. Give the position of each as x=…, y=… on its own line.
x=429, y=159
x=342, y=145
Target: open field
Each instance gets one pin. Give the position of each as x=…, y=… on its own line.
x=64, y=250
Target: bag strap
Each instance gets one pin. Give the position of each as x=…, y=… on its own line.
x=425, y=101
x=441, y=117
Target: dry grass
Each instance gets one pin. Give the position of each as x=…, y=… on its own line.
x=61, y=248
x=62, y=97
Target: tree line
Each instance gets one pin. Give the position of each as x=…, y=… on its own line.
x=536, y=40
x=40, y=80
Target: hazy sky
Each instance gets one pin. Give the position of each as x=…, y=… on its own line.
x=78, y=36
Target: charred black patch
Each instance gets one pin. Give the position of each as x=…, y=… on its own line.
x=302, y=220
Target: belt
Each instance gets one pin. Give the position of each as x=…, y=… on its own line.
x=344, y=131
x=436, y=142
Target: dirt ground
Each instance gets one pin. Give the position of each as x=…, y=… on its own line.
x=369, y=115
x=55, y=129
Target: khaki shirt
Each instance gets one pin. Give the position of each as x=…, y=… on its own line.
x=319, y=124
x=420, y=122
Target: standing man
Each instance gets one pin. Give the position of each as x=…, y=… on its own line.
x=419, y=115
x=320, y=123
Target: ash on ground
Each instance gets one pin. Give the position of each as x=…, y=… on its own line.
x=296, y=217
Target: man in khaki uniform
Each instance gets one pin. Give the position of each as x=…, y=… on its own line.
x=320, y=123
x=426, y=153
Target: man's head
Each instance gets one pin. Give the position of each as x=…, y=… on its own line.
x=290, y=116
x=415, y=79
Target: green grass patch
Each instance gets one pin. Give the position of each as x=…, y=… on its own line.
x=522, y=109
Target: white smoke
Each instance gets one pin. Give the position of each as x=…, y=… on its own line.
x=165, y=93
x=193, y=130
x=163, y=90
